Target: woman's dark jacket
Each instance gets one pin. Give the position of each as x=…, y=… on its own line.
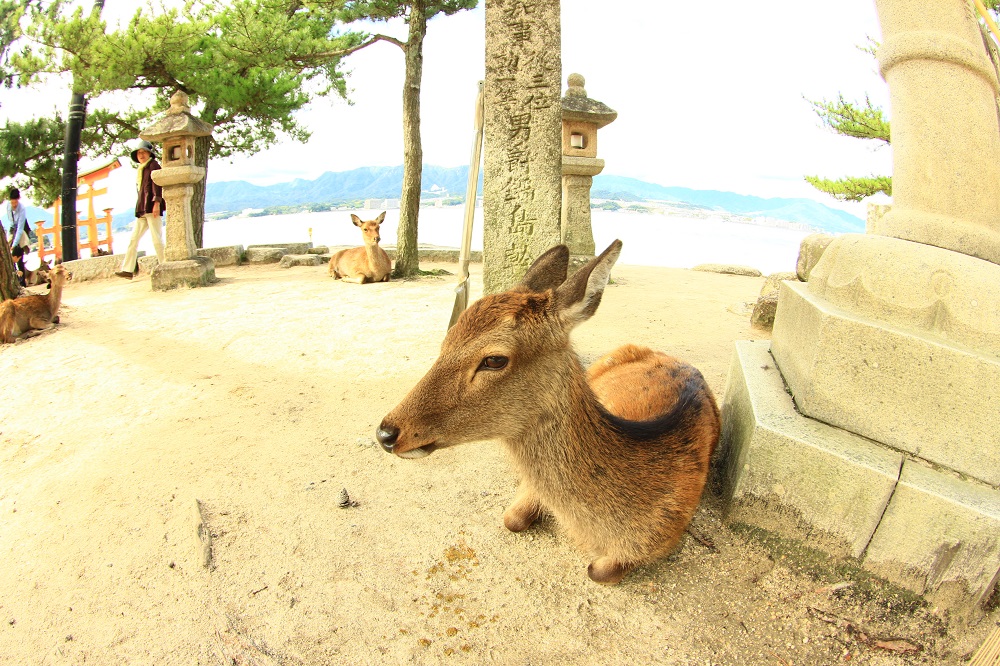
x=149, y=192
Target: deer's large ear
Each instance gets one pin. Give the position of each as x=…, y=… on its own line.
x=356, y=220
x=381, y=218
x=548, y=271
x=577, y=299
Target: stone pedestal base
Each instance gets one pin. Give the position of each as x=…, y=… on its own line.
x=929, y=530
x=194, y=272
x=794, y=475
x=937, y=401
x=917, y=369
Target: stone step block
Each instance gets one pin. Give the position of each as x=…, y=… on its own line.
x=265, y=254
x=290, y=248
x=290, y=260
x=105, y=266
x=940, y=537
x=786, y=473
x=767, y=303
x=229, y=255
x=810, y=252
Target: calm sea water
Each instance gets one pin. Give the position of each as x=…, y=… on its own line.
x=649, y=239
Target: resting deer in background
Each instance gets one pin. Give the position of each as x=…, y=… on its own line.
x=618, y=455
x=363, y=264
x=37, y=276
x=24, y=316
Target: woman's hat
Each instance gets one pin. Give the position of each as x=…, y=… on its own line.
x=142, y=145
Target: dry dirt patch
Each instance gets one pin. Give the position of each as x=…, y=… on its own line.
x=258, y=397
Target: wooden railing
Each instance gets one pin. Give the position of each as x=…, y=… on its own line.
x=50, y=237
x=88, y=227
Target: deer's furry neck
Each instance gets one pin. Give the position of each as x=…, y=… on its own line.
x=55, y=297
x=570, y=436
x=377, y=259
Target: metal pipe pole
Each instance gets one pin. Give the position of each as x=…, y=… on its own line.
x=71, y=157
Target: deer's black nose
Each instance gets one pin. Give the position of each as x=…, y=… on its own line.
x=386, y=436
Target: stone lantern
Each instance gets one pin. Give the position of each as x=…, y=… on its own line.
x=867, y=426
x=177, y=131
x=581, y=118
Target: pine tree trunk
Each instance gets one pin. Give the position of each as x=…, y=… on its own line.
x=407, y=257
x=201, y=146
x=9, y=286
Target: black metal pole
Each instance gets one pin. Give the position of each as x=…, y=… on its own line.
x=71, y=156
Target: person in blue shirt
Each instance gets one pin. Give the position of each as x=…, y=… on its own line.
x=19, y=242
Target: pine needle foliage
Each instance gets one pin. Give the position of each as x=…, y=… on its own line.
x=244, y=65
x=859, y=120
x=852, y=189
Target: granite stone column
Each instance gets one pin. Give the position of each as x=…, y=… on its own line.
x=522, y=189
x=577, y=230
x=945, y=137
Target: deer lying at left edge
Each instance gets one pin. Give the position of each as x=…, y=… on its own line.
x=26, y=316
x=619, y=454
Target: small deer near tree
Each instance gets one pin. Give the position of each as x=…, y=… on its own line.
x=28, y=315
x=368, y=263
x=619, y=454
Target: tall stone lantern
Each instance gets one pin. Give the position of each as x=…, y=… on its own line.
x=177, y=132
x=868, y=425
x=581, y=118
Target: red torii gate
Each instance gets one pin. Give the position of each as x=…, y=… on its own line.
x=85, y=192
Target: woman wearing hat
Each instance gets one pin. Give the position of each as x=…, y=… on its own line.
x=148, y=208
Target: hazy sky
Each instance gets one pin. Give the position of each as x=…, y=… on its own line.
x=708, y=95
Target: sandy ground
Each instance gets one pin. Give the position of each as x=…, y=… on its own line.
x=256, y=399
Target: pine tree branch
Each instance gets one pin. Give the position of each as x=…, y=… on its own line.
x=852, y=189
x=330, y=55
x=845, y=118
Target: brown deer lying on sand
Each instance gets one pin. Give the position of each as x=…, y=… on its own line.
x=25, y=316
x=619, y=455
x=363, y=264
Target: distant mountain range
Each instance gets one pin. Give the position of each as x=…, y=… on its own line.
x=386, y=183
x=804, y=211
x=362, y=183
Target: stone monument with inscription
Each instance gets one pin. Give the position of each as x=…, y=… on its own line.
x=178, y=131
x=869, y=426
x=522, y=176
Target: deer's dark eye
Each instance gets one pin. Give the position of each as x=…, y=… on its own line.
x=493, y=363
